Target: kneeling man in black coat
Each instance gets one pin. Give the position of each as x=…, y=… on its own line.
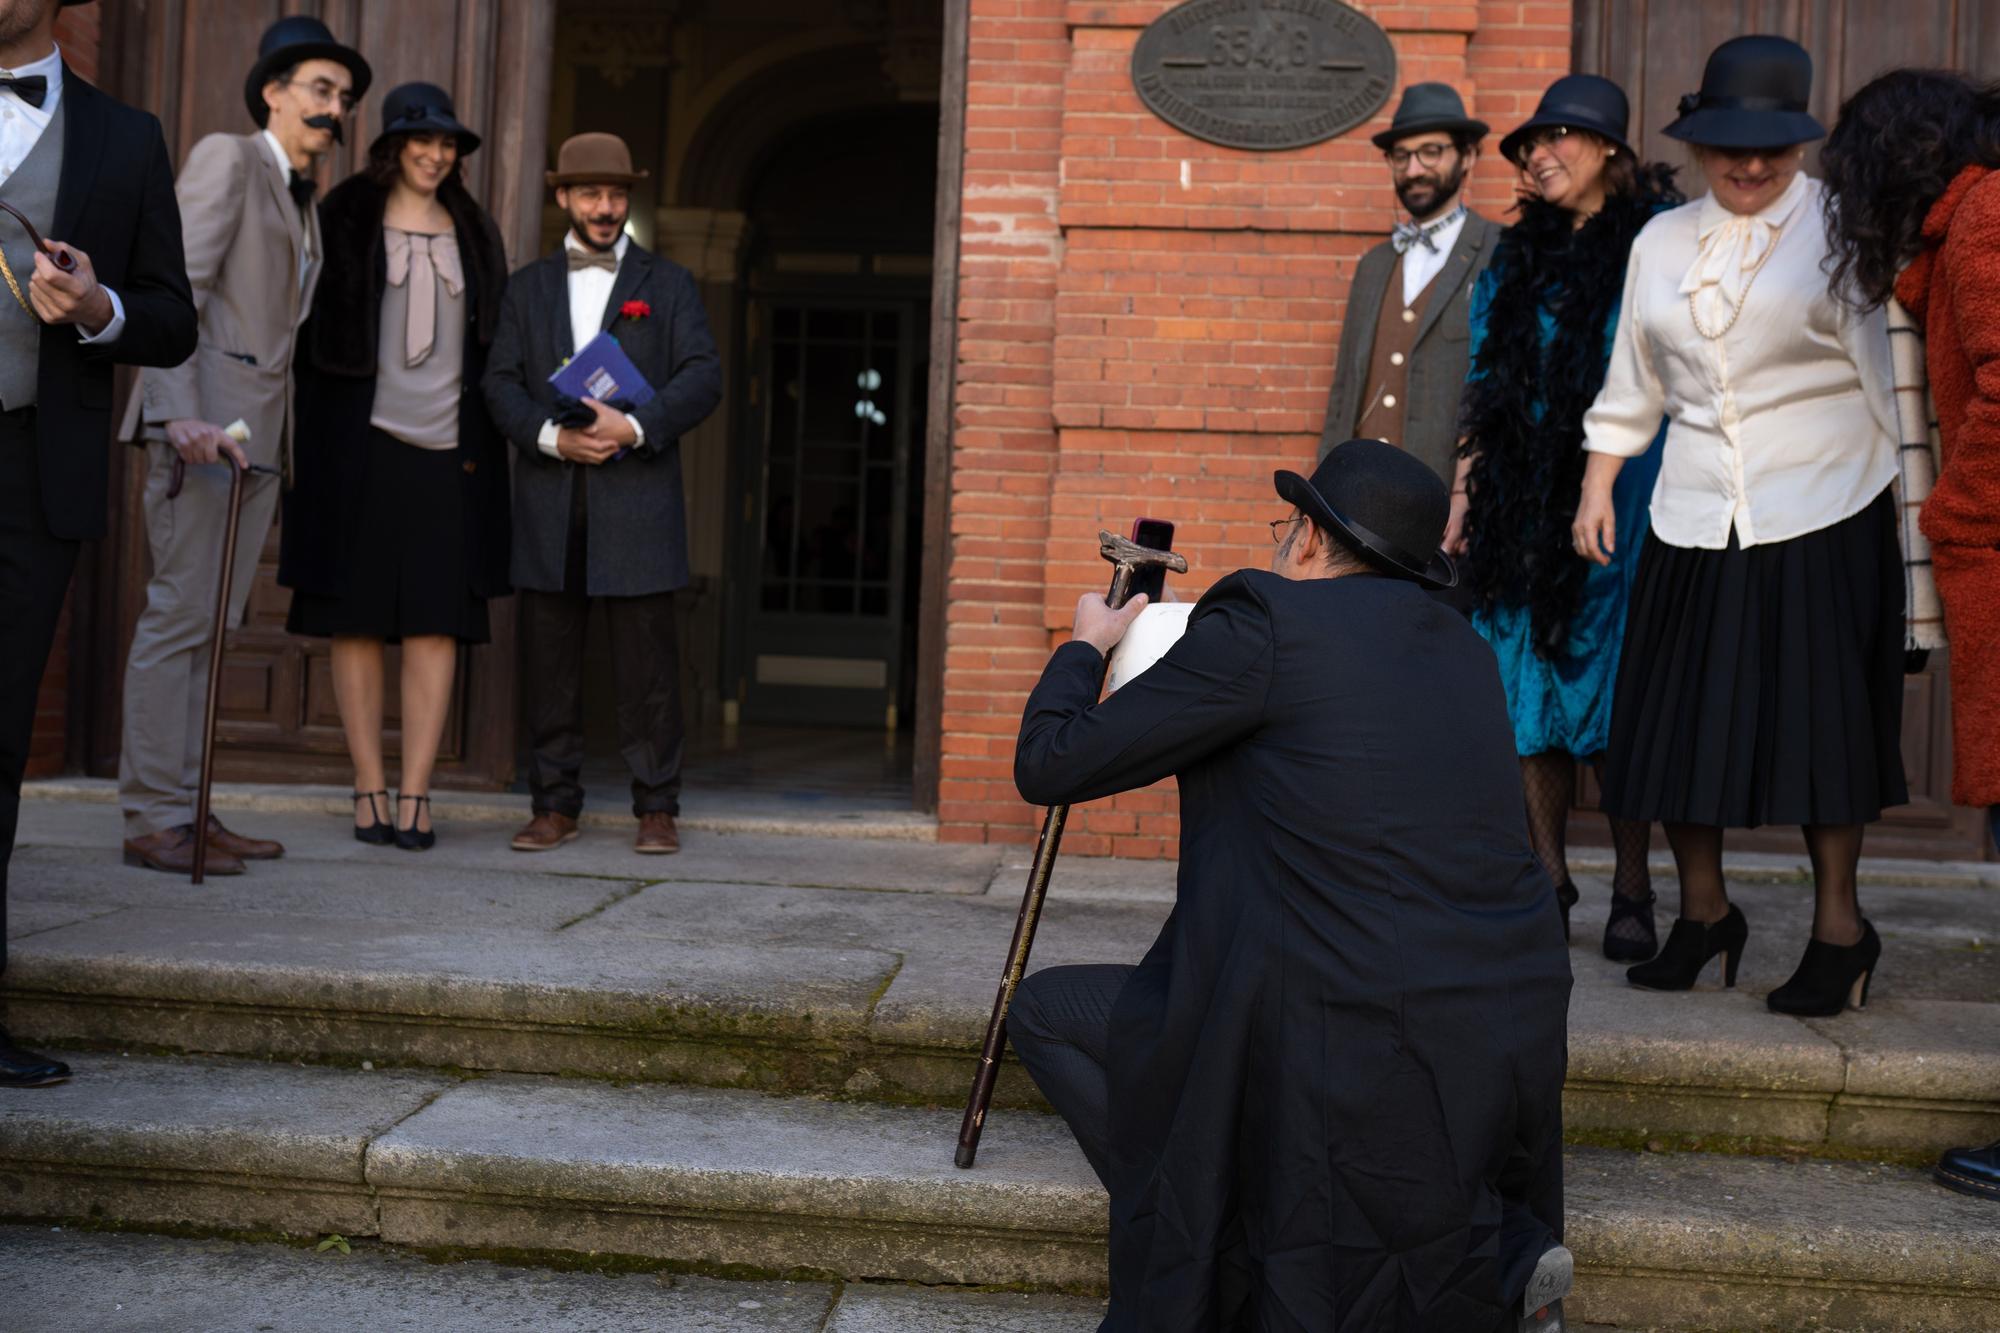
x=1330, y=1097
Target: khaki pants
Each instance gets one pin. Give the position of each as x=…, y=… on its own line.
x=166, y=677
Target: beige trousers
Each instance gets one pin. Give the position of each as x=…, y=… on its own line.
x=166, y=677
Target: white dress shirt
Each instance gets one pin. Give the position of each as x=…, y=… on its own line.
x=589, y=294
x=1421, y=264
x=285, y=170
x=1783, y=425
x=21, y=127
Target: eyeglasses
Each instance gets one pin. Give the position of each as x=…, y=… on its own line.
x=1429, y=155
x=325, y=92
x=1278, y=526
x=1546, y=137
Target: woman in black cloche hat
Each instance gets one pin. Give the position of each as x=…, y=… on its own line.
x=1542, y=316
x=396, y=523
x=1762, y=673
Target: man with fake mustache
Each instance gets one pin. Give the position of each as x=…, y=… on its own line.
x=1402, y=358
x=253, y=256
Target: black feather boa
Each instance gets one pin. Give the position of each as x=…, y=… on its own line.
x=1527, y=469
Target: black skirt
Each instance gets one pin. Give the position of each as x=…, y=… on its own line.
x=407, y=575
x=1764, y=686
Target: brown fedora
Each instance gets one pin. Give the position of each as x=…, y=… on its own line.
x=594, y=159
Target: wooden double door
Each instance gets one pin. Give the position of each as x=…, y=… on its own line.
x=186, y=60
x=1655, y=50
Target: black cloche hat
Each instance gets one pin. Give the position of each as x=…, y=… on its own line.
x=1386, y=504
x=423, y=108
x=1581, y=102
x=1427, y=107
x=290, y=41
x=1753, y=95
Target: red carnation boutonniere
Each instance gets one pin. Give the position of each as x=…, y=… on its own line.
x=635, y=310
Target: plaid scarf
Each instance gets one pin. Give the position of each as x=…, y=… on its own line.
x=1917, y=448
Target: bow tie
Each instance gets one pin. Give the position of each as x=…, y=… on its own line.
x=604, y=259
x=302, y=188
x=33, y=90
x=1404, y=235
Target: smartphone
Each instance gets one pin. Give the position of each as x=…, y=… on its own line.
x=1155, y=534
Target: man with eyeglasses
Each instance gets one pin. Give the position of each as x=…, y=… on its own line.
x=1402, y=358
x=253, y=256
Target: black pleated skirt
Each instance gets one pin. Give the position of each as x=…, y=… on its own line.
x=1764, y=686
x=407, y=573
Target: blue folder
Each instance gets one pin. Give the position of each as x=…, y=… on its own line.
x=601, y=370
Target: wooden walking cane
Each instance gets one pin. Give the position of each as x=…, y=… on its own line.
x=1127, y=558
x=240, y=433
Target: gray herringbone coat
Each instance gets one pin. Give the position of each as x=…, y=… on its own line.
x=1437, y=365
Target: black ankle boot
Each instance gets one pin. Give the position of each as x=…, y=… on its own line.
x=1830, y=977
x=1620, y=946
x=1690, y=945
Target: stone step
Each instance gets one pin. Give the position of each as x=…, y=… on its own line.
x=61, y=1280
x=866, y=970
x=749, y=1185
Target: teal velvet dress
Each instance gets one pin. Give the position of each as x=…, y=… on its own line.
x=1564, y=703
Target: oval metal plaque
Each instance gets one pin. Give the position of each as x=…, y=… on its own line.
x=1264, y=74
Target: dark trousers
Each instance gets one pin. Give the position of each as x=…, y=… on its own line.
x=1060, y=1026
x=646, y=676
x=35, y=568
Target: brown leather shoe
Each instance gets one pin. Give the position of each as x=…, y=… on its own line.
x=172, y=850
x=545, y=832
x=656, y=835
x=221, y=839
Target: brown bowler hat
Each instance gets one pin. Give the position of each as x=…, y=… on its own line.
x=594, y=159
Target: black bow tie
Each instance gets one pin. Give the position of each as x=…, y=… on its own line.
x=302, y=188
x=33, y=90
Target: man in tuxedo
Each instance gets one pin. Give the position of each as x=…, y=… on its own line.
x=1330, y=1097
x=598, y=507
x=253, y=255
x=93, y=176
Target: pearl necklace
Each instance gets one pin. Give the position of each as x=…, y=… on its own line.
x=1736, y=311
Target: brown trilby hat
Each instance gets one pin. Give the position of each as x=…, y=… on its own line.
x=594, y=159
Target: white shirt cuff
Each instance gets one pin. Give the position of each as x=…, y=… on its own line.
x=109, y=333
x=546, y=441
x=638, y=431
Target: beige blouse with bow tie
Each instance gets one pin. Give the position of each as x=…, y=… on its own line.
x=421, y=352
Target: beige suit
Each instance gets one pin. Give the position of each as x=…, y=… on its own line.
x=252, y=258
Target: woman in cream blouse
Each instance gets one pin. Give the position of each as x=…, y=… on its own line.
x=1762, y=675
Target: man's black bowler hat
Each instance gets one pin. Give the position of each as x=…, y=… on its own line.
x=1386, y=504
x=1427, y=107
x=1581, y=102
x=1753, y=95
x=422, y=108
x=291, y=41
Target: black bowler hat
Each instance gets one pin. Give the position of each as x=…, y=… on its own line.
x=291, y=41
x=1386, y=504
x=422, y=108
x=1580, y=102
x=1428, y=107
x=1753, y=95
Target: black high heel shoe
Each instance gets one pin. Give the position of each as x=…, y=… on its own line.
x=1830, y=978
x=1690, y=945
x=411, y=839
x=1566, y=896
x=381, y=832
x=1621, y=947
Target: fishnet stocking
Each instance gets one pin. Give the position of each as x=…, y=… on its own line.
x=1835, y=850
x=1632, y=879
x=1549, y=782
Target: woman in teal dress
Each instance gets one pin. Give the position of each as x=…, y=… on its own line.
x=1542, y=319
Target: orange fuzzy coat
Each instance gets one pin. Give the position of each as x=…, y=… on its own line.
x=1953, y=290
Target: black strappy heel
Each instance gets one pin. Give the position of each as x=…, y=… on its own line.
x=410, y=839
x=1618, y=947
x=380, y=833
x=1566, y=898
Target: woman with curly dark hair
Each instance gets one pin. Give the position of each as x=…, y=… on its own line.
x=1913, y=214
x=1542, y=317
x=396, y=522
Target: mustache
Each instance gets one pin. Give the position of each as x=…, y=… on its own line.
x=329, y=123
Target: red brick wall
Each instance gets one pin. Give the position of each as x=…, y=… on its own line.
x=76, y=34
x=1147, y=324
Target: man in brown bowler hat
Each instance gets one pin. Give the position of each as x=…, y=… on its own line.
x=598, y=509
